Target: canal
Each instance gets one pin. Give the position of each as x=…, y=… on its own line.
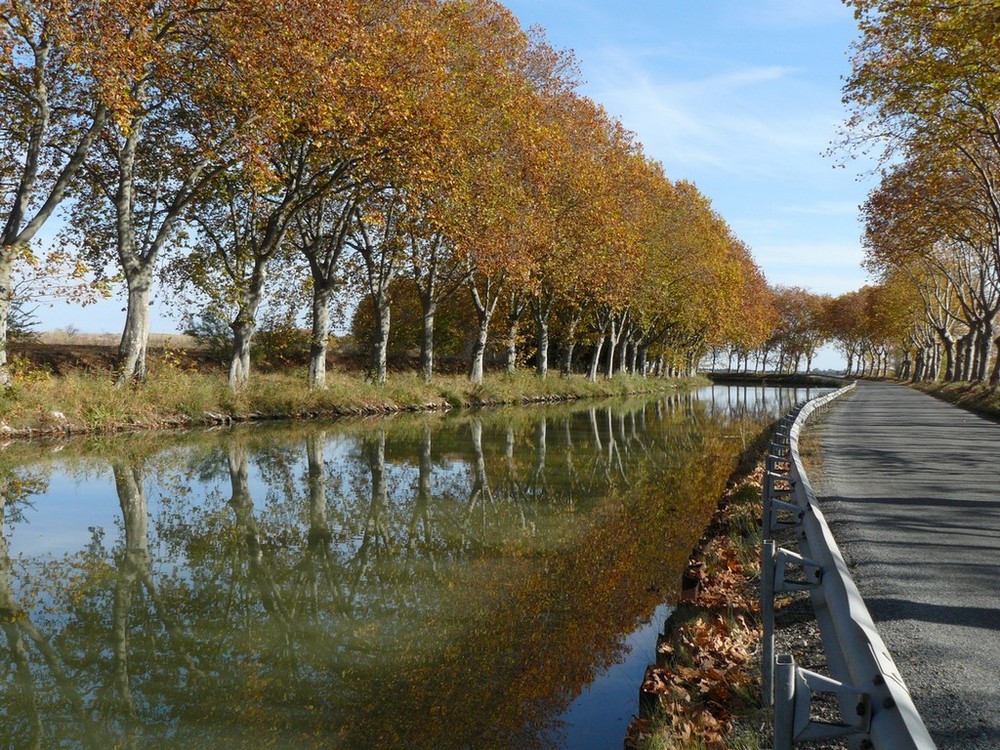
x=490, y=579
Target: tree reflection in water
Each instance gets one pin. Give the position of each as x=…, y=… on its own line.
x=430, y=581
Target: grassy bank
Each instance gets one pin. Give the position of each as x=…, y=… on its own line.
x=975, y=397
x=173, y=396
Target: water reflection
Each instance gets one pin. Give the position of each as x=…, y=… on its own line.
x=429, y=581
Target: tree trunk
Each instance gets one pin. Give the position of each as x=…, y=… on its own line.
x=427, y=339
x=513, y=323
x=569, y=341
x=6, y=299
x=239, y=362
x=383, y=315
x=320, y=336
x=904, y=368
x=479, y=350
x=984, y=347
x=245, y=325
x=595, y=359
x=614, y=335
x=641, y=360
x=995, y=372
x=633, y=354
x=485, y=307
x=135, y=336
x=949, y=357
x=138, y=272
x=987, y=352
x=962, y=356
x=542, y=331
x=626, y=338
x=437, y=278
x=518, y=305
x=569, y=344
x=541, y=311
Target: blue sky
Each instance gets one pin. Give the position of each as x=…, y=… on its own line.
x=742, y=97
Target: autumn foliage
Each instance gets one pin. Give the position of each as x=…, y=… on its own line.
x=238, y=157
x=924, y=95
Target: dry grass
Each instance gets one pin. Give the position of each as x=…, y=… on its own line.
x=173, y=395
x=69, y=337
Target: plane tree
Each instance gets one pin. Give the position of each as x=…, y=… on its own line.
x=800, y=329
x=924, y=89
x=931, y=213
x=487, y=209
x=583, y=191
x=201, y=90
x=167, y=139
x=693, y=283
x=51, y=97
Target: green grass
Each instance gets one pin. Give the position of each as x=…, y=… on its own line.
x=39, y=401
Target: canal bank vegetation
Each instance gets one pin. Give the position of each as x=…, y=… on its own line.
x=82, y=402
x=975, y=397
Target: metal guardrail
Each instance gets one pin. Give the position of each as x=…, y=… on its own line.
x=875, y=705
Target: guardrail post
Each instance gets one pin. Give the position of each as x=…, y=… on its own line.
x=772, y=579
x=767, y=615
x=793, y=691
x=784, y=701
x=766, y=522
x=856, y=723
x=769, y=521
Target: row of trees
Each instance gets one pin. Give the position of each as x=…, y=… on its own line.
x=925, y=90
x=855, y=323
x=250, y=155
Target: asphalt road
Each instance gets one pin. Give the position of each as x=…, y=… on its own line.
x=911, y=489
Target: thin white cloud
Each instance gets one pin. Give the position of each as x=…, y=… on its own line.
x=760, y=119
x=788, y=14
x=719, y=123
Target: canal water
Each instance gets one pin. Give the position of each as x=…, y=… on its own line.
x=489, y=579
